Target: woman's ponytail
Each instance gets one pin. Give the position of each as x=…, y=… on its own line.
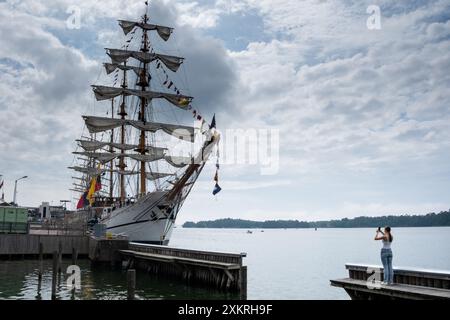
x=388, y=229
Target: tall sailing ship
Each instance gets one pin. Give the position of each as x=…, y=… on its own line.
x=134, y=170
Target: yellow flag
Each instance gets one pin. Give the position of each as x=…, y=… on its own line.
x=91, y=192
x=92, y=189
x=183, y=102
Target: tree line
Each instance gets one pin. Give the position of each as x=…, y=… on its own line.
x=429, y=220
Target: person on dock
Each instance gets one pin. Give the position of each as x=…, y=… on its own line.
x=386, y=254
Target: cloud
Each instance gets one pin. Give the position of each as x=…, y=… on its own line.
x=377, y=98
x=46, y=75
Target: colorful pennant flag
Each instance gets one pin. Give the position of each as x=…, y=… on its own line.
x=217, y=189
x=183, y=102
x=213, y=122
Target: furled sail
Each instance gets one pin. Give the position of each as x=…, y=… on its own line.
x=146, y=157
x=102, y=157
x=185, y=133
x=178, y=162
x=158, y=175
x=88, y=170
x=163, y=32
x=106, y=93
x=107, y=156
x=150, y=175
x=100, y=124
x=93, y=145
x=111, y=67
x=119, y=56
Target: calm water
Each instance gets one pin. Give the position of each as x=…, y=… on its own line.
x=282, y=264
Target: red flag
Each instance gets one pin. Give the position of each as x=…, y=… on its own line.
x=83, y=201
x=98, y=184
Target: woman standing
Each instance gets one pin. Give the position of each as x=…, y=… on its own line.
x=386, y=254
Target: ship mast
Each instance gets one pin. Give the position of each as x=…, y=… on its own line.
x=143, y=83
x=144, y=153
x=111, y=149
x=122, y=114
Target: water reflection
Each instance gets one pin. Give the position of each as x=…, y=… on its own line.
x=19, y=280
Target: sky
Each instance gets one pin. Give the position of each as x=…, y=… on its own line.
x=357, y=112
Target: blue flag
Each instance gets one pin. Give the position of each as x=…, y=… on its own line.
x=217, y=189
x=213, y=122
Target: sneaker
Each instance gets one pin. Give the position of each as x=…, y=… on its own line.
x=383, y=283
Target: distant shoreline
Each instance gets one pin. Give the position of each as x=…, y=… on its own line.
x=441, y=219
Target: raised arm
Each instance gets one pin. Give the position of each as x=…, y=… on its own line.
x=379, y=235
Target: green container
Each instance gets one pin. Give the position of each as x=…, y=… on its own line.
x=21, y=215
x=13, y=220
x=10, y=215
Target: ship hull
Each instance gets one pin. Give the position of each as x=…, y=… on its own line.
x=146, y=221
x=150, y=232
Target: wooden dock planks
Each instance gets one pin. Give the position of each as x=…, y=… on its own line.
x=398, y=291
x=409, y=283
x=174, y=259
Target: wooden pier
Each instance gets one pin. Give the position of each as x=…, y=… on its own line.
x=409, y=283
x=224, y=271
x=27, y=245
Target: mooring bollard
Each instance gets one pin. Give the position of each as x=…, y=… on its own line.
x=54, y=274
x=131, y=284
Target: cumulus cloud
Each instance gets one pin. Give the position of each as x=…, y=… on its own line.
x=352, y=104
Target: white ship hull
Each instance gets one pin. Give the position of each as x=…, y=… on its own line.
x=145, y=221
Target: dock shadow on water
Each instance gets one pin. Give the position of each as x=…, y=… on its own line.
x=19, y=280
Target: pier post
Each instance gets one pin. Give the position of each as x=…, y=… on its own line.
x=243, y=282
x=41, y=261
x=74, y=256
x=60, y=257
x=131, y=284
x=54, y=274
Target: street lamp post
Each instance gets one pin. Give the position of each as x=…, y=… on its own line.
x=15, y=189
